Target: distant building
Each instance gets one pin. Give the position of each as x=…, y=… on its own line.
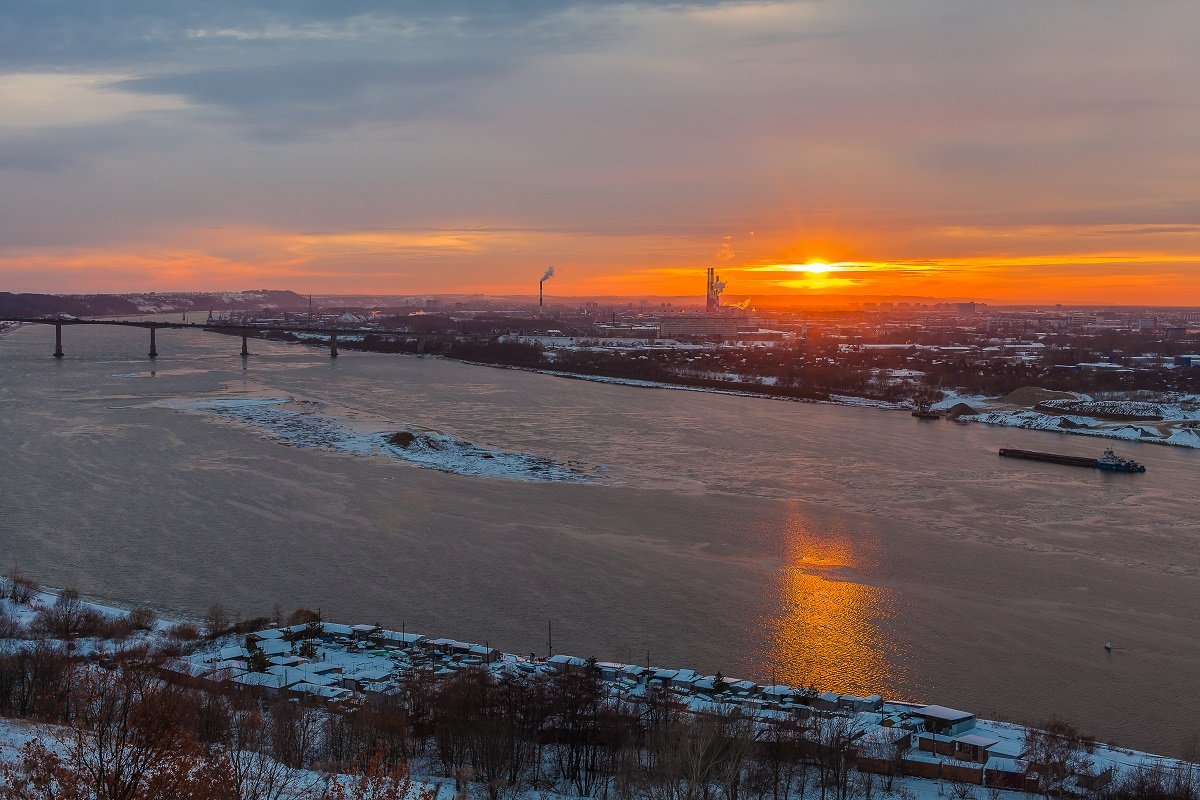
x=685, y=327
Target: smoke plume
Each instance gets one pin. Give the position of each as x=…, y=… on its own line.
x=726, y=251
x=548, y=275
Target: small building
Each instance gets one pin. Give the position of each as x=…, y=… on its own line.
x=234, y=654
x=610, y=670
x=663, y=676
x=358, y=681
x=635, y=673
x=974, y=747
x=825, y=701
x=684, y=679
x=327, y=693
x=288, y=676
x=1007, y=773
x=273, y=647
x=397, y=639
x=565, y=663
x=331, y=630
x=259, y=681
x=945, y=721
x=849, y=702
x=779, y=693
x=285, y=661
x=362, y=632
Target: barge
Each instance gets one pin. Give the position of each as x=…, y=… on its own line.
x=1109, y=461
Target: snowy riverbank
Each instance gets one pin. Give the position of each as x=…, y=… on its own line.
x=334, y=669
x=1174, y=420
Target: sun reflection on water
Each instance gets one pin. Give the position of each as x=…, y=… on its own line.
x=827, y=633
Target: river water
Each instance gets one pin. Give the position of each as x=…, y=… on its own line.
x=857, y=550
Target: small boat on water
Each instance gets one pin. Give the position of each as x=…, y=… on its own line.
x=1108, y=461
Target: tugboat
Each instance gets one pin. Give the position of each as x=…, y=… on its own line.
x=1112, y=461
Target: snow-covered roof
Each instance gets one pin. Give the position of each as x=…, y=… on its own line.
x=286, y=661
x=274, y=647
x=977, y=740
x=230, y=666
x=229, y=653
x=268, y=633
x=259, y=679
x=397, y=636
x=327, y=692
x=943, y=713
x=288, y=676
x=184, y=667
x=565, y=660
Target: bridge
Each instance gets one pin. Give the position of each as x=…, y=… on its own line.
x=217, y=327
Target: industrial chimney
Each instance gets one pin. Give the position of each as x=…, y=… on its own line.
x=547, y=275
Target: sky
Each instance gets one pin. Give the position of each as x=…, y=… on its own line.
x=998, y=151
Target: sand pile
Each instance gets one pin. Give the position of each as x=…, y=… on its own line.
x=1032, y=395
x=960, y=410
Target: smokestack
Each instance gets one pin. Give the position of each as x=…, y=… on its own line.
x=547, y=275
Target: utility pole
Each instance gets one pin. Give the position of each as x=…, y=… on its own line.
x=549, y=639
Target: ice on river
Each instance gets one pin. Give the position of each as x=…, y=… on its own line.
x=301, y=423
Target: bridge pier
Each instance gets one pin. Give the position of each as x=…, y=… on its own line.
x=245, y=347
x=333, y=345
x=58, y=351
x=153, y=347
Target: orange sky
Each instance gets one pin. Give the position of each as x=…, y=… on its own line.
x=1000, y=152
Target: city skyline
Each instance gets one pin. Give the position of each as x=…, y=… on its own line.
x=1010, y=154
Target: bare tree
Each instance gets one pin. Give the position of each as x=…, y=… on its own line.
x=216, y=621
x=253, y=773
x=126, y=741
x=1058, y=751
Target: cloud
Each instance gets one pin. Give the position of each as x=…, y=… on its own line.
x=301, y=99
x=103, y=33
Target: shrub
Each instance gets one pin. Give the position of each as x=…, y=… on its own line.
x=184, y=632
x=10, y=626
x=141, y=619
x=303, y=616
x=21, y=589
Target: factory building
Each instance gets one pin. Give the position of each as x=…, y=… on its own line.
x=695, y=327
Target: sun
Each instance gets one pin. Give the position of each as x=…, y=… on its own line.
x=811, y=267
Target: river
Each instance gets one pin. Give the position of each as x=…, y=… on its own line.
x=856, y=550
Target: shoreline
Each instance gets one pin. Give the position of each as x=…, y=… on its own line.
x=1032, y=420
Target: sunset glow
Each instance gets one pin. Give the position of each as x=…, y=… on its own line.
x=828, y=633
x=381, y=152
